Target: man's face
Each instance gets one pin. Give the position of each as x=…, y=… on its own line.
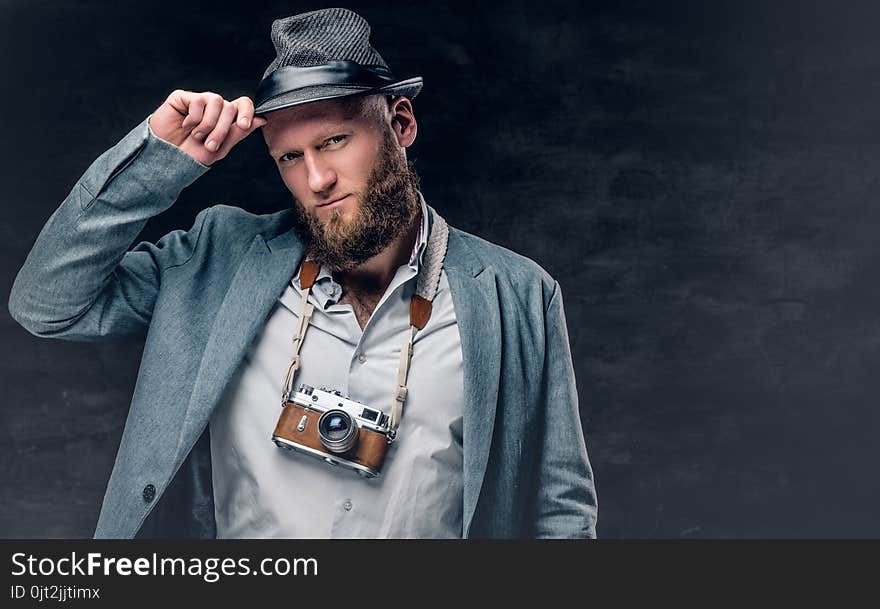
x=352, y=187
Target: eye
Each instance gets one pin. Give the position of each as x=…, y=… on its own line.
x=289, y=157
x=335, y=139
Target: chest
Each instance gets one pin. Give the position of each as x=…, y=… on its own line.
x=423, y=470
x=362, y=305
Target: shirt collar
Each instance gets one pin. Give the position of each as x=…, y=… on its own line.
x=418, y=251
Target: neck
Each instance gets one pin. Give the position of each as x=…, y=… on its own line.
x=375, y=274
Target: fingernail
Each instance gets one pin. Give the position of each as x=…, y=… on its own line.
x=198, y=135
x=245, y=122
x=212, y=145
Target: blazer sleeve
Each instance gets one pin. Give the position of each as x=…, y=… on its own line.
x=566, y=500
x=79, y=282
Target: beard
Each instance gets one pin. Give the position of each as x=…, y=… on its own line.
x=387, y=207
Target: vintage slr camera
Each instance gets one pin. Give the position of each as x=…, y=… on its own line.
x=327, y=425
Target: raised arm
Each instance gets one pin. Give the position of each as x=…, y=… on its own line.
x=78, y=281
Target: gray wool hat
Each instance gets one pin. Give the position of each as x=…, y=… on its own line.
x=325, y=54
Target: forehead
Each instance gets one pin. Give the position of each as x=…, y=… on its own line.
x=314, y=118
x=340, y=108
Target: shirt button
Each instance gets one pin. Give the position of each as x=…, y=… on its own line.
x=362, y=358
x=347, y=506
x=149, y=493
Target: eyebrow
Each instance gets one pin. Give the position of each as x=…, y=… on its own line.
x=323, y=135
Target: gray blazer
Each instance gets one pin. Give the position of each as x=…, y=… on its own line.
x=202, y=295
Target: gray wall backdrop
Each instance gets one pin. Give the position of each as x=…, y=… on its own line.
x=702, y=178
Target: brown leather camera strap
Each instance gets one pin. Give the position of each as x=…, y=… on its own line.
x=308, y=272
x=427, y=282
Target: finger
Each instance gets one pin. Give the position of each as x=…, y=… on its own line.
x=194, y=114
x=218, y=135
x=236, y=134
x=245, y=111
x=246, y=123
x=180, y=100
x=246, y=118
x=188, y=104
x=213, y=108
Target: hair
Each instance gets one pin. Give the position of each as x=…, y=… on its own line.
x=371, y=107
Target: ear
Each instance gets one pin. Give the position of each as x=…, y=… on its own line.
x=403, y=121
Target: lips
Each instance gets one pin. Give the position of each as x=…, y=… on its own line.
x=332, y=202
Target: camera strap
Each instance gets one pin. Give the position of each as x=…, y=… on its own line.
x=427, y=283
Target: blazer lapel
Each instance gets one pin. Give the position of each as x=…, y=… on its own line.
x=261, y=276
x=475, y=297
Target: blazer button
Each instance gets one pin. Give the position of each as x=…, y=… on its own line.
x=149, y=493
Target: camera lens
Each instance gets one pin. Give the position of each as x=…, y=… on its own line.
x=337, y=431
x=337, y=427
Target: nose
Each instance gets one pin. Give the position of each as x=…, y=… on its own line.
x=321, y=175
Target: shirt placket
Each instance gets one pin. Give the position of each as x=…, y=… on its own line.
x=351, y=519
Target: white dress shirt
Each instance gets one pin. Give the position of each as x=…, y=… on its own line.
x=262, y=491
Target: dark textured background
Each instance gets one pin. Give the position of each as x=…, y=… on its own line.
x=702, y=178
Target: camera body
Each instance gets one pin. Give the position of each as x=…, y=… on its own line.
x=326, y=425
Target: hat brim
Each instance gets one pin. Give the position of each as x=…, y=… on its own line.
x=406, y=88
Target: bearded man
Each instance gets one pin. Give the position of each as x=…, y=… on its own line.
x=349, y=367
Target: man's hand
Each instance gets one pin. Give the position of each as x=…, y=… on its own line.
x=204, y=125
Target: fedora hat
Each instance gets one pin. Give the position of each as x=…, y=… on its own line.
x=325, y=54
